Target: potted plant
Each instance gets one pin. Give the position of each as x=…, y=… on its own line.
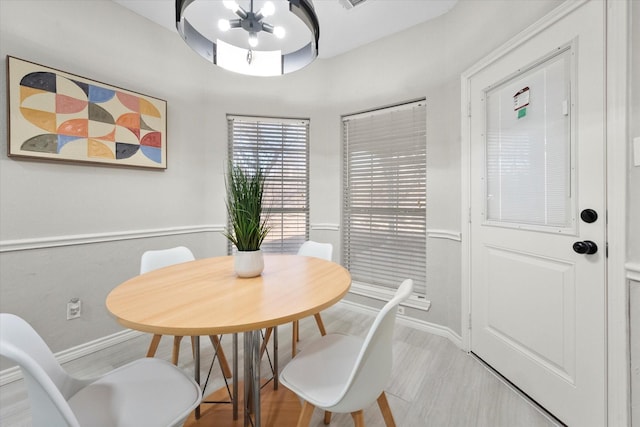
x=247, y=218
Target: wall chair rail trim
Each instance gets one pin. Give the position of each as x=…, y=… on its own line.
x=84, y=239
x=633, y=271
x=444, y=234
x=325, y=226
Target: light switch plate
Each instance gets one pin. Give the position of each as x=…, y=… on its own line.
x=636, y=151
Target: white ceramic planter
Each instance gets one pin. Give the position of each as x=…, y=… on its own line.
x=248, y=263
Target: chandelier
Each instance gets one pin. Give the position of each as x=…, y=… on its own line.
x=235, y=42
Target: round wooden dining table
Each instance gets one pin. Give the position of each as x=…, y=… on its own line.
x=206, y=297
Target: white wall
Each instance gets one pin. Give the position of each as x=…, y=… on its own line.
x=633, y=215
x=100, y=40
x=634, y=131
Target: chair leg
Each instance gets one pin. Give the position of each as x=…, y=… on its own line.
x=305, y=414
x=318, y=318
x=193, y=346
x=215, y=341
x=154, y=345
x=176, y=350
x=386, y=410
x=327, y=417
x=294, y=339
x=267, y=336
x=358, y=418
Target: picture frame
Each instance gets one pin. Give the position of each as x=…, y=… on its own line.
x=59, y=116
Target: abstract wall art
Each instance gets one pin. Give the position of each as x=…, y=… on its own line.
x=54, y=115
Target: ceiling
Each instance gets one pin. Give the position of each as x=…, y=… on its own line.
x=341, y=28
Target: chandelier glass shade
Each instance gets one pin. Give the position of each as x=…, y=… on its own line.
x=255, y=39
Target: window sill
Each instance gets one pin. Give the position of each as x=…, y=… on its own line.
x=415, y=301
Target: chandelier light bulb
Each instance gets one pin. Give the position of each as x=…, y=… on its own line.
x=231, y=5
x=253, y=39
x=268, y=9
x=224, y=25
x=279, y=32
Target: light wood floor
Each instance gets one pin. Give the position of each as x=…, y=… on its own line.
x=433, y=382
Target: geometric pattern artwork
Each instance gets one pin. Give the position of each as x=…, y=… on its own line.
x=60, y=116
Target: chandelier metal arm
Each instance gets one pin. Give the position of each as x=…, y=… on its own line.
x=243, y=14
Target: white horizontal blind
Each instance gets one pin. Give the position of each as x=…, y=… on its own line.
x=529, y=154
x=281, y=147
x=384, y=207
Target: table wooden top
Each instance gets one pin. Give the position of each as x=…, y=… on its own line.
x=205, y=297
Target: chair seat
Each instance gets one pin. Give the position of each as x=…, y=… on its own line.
x=114, y=399
x=319, y=373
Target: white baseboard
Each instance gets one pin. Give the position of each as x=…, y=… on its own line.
x=380, y=293
x=14, y=374
x=409, y=321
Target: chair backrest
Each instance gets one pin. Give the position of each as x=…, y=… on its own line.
x=373, y=366
x=316, y=249
x=49, y=386
x=152, y=260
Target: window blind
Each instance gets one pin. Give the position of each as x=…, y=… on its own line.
x=281, y=147
x=384, y=206
x=529, y=169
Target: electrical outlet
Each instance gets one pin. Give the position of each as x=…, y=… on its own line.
x=74, y=308
x=400, y=309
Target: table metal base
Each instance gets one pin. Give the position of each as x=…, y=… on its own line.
x=252, y=378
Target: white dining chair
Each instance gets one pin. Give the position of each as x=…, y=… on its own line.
x=312, y=249
x=155, y=259
x=145, y=392
x=345, y=374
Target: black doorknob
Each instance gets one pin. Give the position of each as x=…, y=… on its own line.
x=589, y=215
x=587, y=247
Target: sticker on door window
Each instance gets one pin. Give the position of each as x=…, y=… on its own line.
x=520, y=102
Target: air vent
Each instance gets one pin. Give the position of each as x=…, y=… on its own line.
x=349, y=4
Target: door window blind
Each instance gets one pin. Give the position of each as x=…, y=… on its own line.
x=280, y=146
x=529, y=154
x=384, y=206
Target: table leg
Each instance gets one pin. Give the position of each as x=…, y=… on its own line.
x=252, y=341
x=257, y=341
x=196, y=367
x=235, y=376
x=247, y=378
x=275, y=358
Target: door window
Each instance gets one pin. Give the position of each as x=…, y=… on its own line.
x=528, y=147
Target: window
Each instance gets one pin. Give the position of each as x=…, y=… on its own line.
x=281, y=147
x=529, y=164
x=384, y=187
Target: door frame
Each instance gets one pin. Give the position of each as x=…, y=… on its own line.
x=617, y=45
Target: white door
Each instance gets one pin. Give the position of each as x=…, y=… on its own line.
x=538, y=199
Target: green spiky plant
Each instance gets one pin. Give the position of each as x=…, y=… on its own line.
x=247, y=219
